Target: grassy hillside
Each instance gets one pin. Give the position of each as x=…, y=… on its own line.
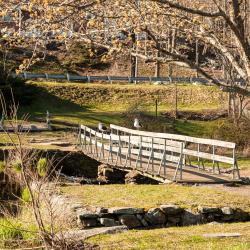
x=92, y=103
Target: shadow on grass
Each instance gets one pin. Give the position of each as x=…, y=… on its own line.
x=64, y=111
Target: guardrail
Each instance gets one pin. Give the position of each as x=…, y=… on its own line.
x=89, y=79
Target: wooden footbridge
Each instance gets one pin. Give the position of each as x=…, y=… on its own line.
x=162, y=156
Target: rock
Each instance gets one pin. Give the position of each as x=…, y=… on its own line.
x=125, y=210
x=87, y=222
x=206, y=210
x=108, y=222
x=227, y=211
x=171, y=209
x=142, y=220
x=33, y=127
x=155, y=216
x=214, y=223
x=87, y=233
x=134, y=177
x=240, y=215
x=245, y=180
x=158, y=83
x=221, y=235
x=106, y=215
x=173, y=220
x=110, y=175
x=100, y=210
x=87, y=216
x=189, y=218
x=227, y=218
x=130, y=221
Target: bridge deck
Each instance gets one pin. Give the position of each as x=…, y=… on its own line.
x=157, y=156
x=191, y=174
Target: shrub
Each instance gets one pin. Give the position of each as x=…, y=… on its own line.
x=10, y=229
x=17, y=166
x=26, y=195
x=240, y=133
x=42, y=167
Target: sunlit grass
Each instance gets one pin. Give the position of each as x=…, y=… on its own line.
x=147, y=196
x=180, y=238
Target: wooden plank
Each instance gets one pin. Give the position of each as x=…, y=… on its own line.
x=176, y=137
x=208, y=156
x=124, y=151
x=133, y=139
x=136, y=141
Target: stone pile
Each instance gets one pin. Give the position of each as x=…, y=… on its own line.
x=163, y=216
x=134, y=177
x=109, y=175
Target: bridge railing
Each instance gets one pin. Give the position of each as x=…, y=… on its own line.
x=144, y=153
x=194, y=148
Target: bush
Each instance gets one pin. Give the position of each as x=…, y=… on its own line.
x=26, y=195
x=17, y=166
x=10, y=229
x=240, y=133
x=42, y=167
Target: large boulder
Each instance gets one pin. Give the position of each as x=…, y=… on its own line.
x=129, y=220
x=155, y=216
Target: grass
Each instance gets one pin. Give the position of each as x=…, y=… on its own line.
x=91, y=103
x=147, y=196
x=181, y=238
x=13, y=228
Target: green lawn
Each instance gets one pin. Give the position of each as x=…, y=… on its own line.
x=147, y=196
x=93, y=103
x=181, y=238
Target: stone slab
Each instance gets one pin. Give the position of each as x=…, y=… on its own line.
x=221, y=235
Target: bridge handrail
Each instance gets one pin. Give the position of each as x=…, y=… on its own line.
x=182, y=138
x=133, y=139
x=213, y=156
x=160, y=146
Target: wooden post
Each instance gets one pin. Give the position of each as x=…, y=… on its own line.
x=157, y=65
x=85, y=141
x=128, y=153
x=163, y=160
x=156, y=108
x=213, y=152
x=102, y=147
x=198, y=156
x=152, y=160
x=96, y=148
x=176, y=101
x=197, y=56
